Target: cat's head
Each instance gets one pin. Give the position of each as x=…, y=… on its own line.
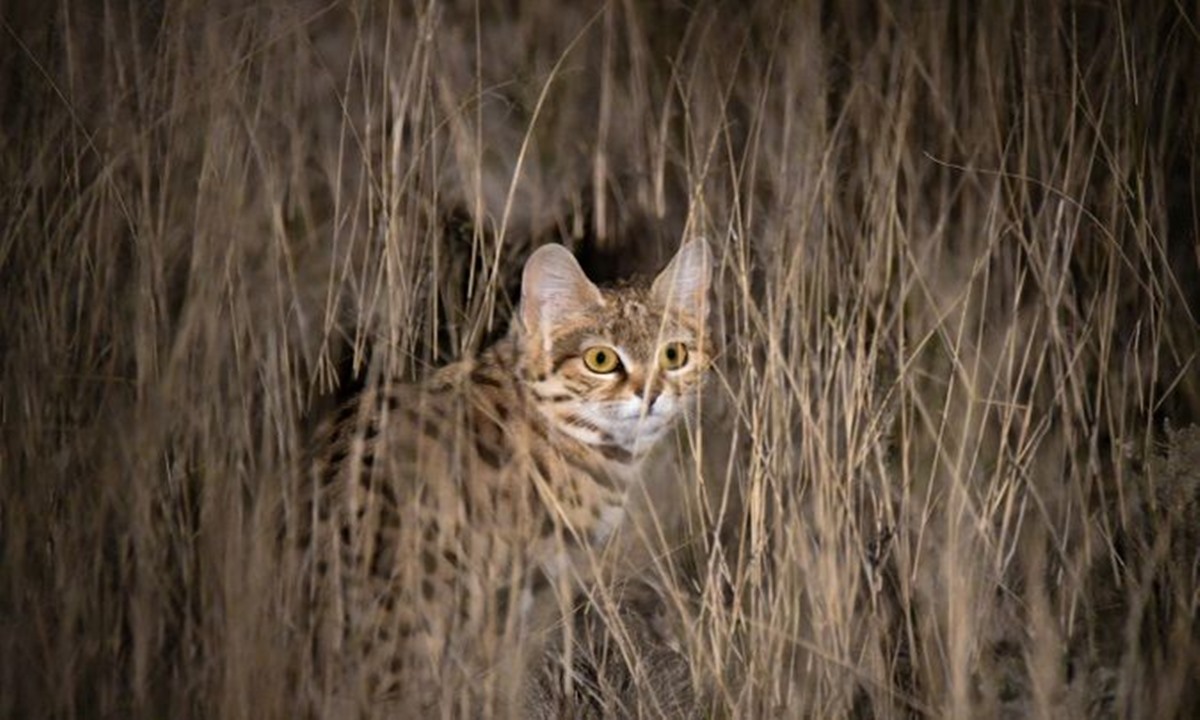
x=615, y=368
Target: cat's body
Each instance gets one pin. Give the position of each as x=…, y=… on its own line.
x=437, y=512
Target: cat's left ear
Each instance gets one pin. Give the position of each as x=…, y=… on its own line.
x=554, y=288
x=683, y=284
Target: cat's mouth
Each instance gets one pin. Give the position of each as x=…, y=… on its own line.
x=630, y=423
x=652, y=413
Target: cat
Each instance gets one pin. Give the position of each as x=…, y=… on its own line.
x=436, y=513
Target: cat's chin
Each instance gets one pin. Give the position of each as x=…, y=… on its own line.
x=639, y=434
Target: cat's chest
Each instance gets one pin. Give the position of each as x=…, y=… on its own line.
x=554, y=496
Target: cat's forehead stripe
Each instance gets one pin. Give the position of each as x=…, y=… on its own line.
x=628, y=320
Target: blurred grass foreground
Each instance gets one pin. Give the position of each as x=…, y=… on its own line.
x=949, y=466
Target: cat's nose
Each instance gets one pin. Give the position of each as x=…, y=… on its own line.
x=648, y=394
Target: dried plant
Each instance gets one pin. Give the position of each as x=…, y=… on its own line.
x=945, y=468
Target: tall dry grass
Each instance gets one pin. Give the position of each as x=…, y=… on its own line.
x=946, y=466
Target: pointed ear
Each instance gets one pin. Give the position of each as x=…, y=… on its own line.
x=683, y=285
x=554, y=287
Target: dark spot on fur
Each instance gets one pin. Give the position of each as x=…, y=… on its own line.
x=389, y=519
x=388, y=494
x=329, y=475
x=616, y=453
x=539, y=464
x=490, y=456
x=427, y=589
x=430, y=430
x=552, y=398
x=381, y=566
x=482, y=378
x=539, y=582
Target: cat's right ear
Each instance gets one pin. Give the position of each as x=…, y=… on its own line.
x=683, y=285
x=554, y=287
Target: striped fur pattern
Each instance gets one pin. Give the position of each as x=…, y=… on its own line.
x=437, y=513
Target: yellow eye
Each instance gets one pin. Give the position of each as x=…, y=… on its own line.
x=601, y=359
x=673, y=356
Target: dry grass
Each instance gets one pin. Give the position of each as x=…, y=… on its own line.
x=960, y=286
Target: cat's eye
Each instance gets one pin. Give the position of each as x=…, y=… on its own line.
x=601, y=359
x=673, y=356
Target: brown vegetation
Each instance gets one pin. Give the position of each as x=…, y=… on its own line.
x=947, y=466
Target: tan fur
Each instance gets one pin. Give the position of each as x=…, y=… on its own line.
x=436, y=512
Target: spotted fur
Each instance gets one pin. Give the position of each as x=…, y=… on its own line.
x=438, y=512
